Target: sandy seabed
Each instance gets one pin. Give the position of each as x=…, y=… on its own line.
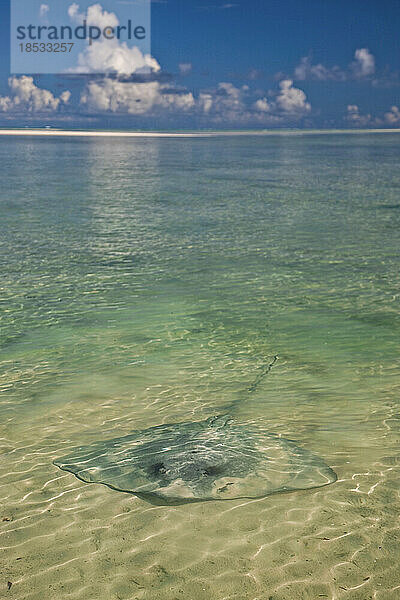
x=99, y=365
x=61, y=538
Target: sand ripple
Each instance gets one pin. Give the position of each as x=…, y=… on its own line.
x=61, y=538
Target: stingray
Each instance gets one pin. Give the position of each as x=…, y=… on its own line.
x=214, y=459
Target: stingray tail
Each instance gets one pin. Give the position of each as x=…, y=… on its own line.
x=261, y=375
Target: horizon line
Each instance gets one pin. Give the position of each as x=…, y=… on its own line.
x=26, y=131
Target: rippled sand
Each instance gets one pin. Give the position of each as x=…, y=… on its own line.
x=61, y=538
x=150, y=281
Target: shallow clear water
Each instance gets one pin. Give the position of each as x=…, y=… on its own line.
x=149, y=281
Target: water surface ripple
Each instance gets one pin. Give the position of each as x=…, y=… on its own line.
x=148, y=281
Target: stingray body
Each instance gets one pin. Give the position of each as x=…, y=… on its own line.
x=215, y=459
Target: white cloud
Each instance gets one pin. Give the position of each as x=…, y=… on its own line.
x=65, y=96
x=5, y=103
x=306, y=70
x=134, y=98
x=224, y=104
x=355, y=118
x=95, y=16
x=393, y=116
x=352, y=109
x=114, y=57
x=292, y=100
x=362, y=67
x=27, y=97
x=185, y=68
x=262, y=105
x=205, y=102
x=364, y=64
x=43, y=10
x=73, y=12
x=237, y=104
x=108, y=55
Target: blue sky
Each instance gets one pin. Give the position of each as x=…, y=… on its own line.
x=226, y=64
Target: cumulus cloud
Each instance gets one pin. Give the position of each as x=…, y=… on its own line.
x=25, y=97
x=393, y=116
x=114, y=57
x=357, y=119
x=206, y=102
x=226, y=100
x=237, y=104
x=292, y=100
x=5, y=103
x=354, y=117
x=43, y=10
x=306, y=70
x=65, y=96
x=224, y=104
x=108, y=55
x=364, y=63
x=110, y=95
x=230, y=104
x=262, y=105
x=95, y=16
x=362, y=67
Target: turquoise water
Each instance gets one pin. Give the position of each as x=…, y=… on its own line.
x=149, y=281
